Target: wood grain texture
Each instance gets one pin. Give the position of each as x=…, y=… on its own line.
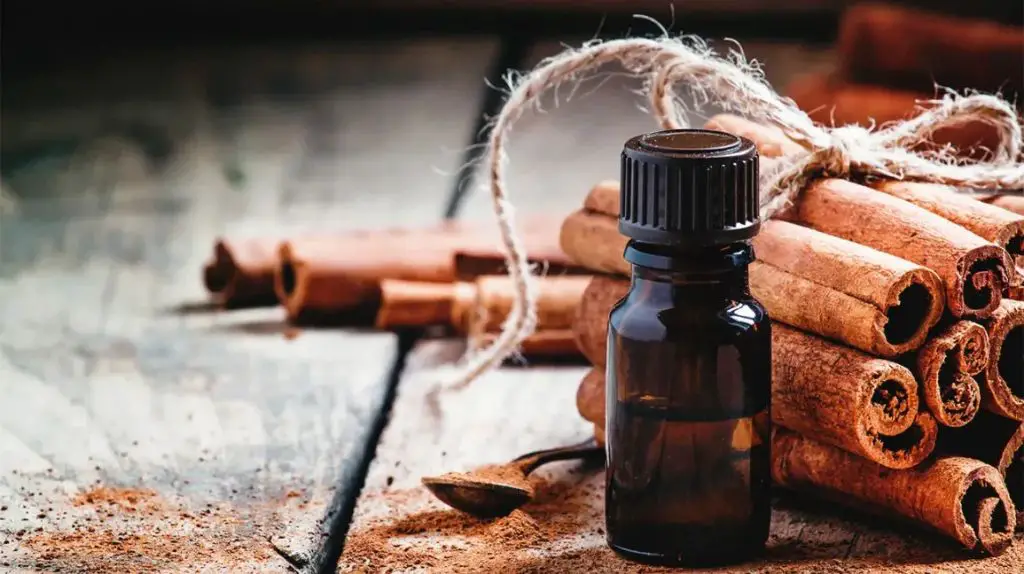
x=112, y=367
x=515, y=410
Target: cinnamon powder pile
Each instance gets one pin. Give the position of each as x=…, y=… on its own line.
x=136, y=530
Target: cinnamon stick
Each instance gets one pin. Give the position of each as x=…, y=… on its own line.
x=997, y=441
x=962, y=498
x=550, y=343
x=897, y=46
x=241, y=272
x=1002, y=382
x=1000, y=226
x=590, y=396
x=321, y=277
x=1014, y=203
x=557, y=299
x=832, y=102
x=834, y=288
x=973, y=270
x=863, y=404
x=945, y=367
x=417, y=303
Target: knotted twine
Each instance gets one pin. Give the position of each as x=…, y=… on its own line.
x=736, y=85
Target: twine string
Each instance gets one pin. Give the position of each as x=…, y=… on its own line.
x=732, y=83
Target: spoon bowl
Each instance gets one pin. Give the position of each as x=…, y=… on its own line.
x=478, y=497
x=494, y=491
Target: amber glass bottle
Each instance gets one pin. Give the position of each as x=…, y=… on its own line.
x=689, y=357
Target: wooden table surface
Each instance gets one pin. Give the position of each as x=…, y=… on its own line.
x=264, y=452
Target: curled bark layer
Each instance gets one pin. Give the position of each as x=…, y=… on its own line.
x=945, y=367
x=997, y=441
x=1000, y=226
x=962, y=498
x=241, y=272
x=973, y=270
x=862, y=404
x=869, y=300
x=1002, y=382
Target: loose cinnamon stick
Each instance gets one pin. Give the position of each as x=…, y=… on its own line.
x=842, y=291
x=417, y=303
x=321, y=277
x=997, y=441
x=832, y=102
x=963, y=498
x=973, y=270
x=1002, y=382
x=549, y=344
x=945, y=367
x=542, y=249
x=590, y=396
x=241, y=272
x=890, y=45
x=557, y=299
x=860, y=403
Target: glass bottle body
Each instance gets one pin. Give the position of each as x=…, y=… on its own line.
x=688, y=410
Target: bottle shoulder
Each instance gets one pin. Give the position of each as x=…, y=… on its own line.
x=647, y=319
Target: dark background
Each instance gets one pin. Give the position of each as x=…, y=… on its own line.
x=41, y=35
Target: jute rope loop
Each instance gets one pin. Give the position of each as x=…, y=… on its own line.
x=732, y=83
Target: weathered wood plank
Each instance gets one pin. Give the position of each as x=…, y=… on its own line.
x=114, y=374
x=399, y=528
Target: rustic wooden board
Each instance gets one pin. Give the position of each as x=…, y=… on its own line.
x=114, y=371
x=399, y=528
x=556, y=156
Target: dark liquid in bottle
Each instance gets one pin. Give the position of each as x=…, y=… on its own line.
x=688, y=427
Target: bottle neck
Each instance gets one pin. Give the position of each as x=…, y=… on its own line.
x=711, y=273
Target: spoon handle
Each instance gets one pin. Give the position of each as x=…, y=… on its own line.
x=586, y=450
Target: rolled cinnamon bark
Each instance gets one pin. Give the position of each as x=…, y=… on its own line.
x=241, y=272
x=834, y=288
x=548, y=344
x=973, y=270
x=416, y=303
x=1002, y=382
x=1000, y=226
x=945, y=367
x=997, y=441
x=897, y=46
x=590, y=396
x=543, y=251
x=962, y=498
x=863, y=404
x=557, y=299
x=835, y=103
x=773, y=143
x=1014, y=203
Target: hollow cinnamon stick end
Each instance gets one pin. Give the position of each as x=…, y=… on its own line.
x=914, y=305
x=291, y=281
x=908, y=448
x=1006, y=365
x=945, y=365
x=590, y=396
x=982, y=277
x=987, y=517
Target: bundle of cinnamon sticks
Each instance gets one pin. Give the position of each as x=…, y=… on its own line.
x=898, y=373
x=892, y=58
x=450, y=275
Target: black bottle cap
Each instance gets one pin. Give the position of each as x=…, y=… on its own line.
x=689, y=188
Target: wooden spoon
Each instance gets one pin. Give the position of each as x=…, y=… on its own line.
x=497, y=490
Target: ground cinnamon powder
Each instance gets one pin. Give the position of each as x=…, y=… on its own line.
x=562, y=531
x=109, y=529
